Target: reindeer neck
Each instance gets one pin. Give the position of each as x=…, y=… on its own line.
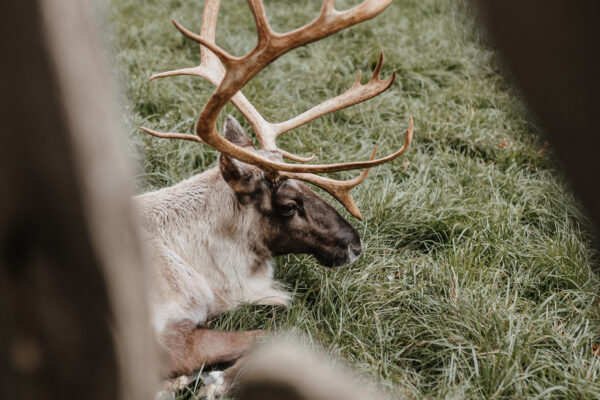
x=202, y=218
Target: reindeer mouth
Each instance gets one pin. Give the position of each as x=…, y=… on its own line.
x=341, y=256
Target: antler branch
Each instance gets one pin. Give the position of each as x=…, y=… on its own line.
x=239, y=70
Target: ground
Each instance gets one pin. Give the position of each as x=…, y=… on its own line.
x=478, y=278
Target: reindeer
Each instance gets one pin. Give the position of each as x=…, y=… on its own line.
x=213, y=237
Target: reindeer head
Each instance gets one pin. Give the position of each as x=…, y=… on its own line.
x=293, y=218
x=298, y=219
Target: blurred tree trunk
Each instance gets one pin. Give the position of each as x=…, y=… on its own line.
x=73, y=315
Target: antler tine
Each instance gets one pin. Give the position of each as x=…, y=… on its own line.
x=340, y=190
x=224, y=56
x=263, y=28
x=356, y=94
x=171, y=135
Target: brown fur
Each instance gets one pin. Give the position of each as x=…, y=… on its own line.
x=188, y=347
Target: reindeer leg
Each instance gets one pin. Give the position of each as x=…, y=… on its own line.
x=189, y=348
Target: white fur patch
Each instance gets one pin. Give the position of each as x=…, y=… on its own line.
x=171, y=386
x=214, y=385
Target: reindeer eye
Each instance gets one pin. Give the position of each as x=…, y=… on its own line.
x=288, y=210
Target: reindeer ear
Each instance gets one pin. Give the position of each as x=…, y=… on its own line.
x=234, y=132
x=238, y=175
x=231, y=169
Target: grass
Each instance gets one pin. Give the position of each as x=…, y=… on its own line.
x=478, y=277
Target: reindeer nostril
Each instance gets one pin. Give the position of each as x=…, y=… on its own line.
x=355, y=248
x=354, y=251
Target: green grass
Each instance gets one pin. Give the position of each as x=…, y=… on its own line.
x=477, y=279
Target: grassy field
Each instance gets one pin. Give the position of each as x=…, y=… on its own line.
x=478, y=277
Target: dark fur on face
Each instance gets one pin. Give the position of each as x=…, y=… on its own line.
x=294, y=218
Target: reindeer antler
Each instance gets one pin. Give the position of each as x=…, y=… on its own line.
x=239, y=70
